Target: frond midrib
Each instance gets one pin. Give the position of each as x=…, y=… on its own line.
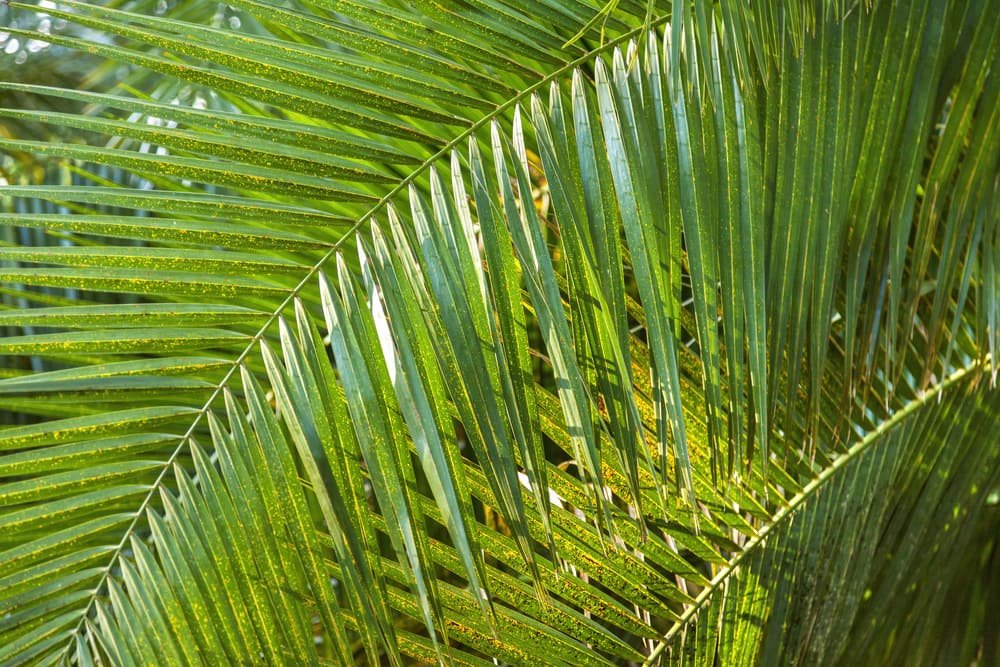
x=311, y=274
x=783, y=516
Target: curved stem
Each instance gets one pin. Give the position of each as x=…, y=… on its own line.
x=808, y=491
x=310, y=275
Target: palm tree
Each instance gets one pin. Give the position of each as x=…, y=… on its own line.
x=491, y=331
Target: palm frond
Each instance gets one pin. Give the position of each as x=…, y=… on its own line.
x=454, y=334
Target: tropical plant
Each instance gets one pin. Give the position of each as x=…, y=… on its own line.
x=504, y=332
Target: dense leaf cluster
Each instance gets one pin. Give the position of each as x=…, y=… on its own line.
x=343, y=331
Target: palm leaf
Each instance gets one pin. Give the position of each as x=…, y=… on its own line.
x=688, y=356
